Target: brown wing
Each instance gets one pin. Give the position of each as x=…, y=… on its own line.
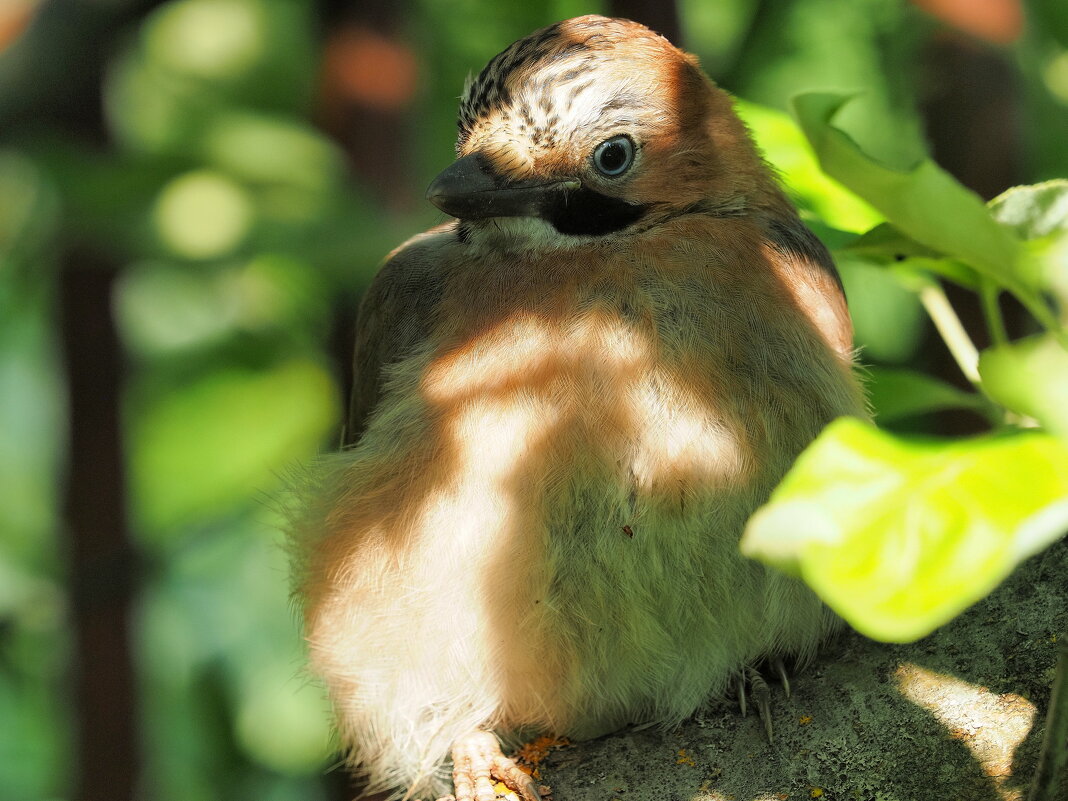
x=395, y=316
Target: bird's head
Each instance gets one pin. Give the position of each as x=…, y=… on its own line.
x=596, y=127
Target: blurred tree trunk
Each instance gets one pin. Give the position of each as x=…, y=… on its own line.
x=102, y=584
x=65, y=52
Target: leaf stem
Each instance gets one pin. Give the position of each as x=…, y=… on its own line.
x=934, y=300
x=1054, y=756
x=989, y=292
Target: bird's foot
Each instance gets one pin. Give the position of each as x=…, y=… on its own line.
x=760, y=692
x=477, y=760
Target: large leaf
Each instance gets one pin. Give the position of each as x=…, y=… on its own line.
x=1039, y=214
x=1033, y=211
x=782, y=142
x=886, y=245
x=884, y=242
x=924, y=201
x=1031, y=377
x=899, y=536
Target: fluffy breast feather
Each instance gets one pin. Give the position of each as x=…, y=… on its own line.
x=539, y=526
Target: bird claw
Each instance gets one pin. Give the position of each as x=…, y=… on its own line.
x=784, y=677
x=739, y=681
x=749, y=679
x=477, y=760
x=761, y=698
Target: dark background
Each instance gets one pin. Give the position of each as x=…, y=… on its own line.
x=192, y=195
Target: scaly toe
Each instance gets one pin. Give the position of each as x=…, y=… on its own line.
x=761, y=698
x=512, y=775
x=784, y=677
x=750, y=685
x=740, y=687
x=477, y=759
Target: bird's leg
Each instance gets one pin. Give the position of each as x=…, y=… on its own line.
x=784, y=677
x=749, y=680
x=477, y=760
x=739, y=681
x=761, y=698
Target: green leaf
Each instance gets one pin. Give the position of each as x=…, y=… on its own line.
x=915, y=272
x=924, y=201
x=1038, y=214
x=1033, y=211
x=896, y=394
x=783, y=144
x=834, y=238
x=1030, y=376
x=886, y=245
x=899, y=536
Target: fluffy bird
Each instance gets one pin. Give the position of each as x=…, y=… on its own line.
x=568, y=402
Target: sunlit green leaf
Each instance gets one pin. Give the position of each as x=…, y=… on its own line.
x=925, y=202
x=213, y=39
x=150, y=111
x=163, y=308
x=1031, y=377
x=899, y=536
x=32, y=430
x=896, y=394
x=783, y=145
x=259, y=50
x=28, y=208
x=196, y=60
x=222, y=606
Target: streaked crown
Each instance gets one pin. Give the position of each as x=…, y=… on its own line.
x=598, y=125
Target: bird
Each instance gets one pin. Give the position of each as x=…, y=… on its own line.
x=568, y=399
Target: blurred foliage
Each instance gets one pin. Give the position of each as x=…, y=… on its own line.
x=242, y=230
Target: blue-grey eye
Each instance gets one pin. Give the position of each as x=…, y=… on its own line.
x=614, y=156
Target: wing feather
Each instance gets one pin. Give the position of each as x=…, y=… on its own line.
x=396, y=315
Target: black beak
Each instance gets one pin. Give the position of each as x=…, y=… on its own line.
x=471, y=190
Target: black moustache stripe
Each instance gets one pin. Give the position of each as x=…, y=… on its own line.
x=583, y=212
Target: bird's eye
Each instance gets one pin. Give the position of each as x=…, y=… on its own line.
x=614, y=156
